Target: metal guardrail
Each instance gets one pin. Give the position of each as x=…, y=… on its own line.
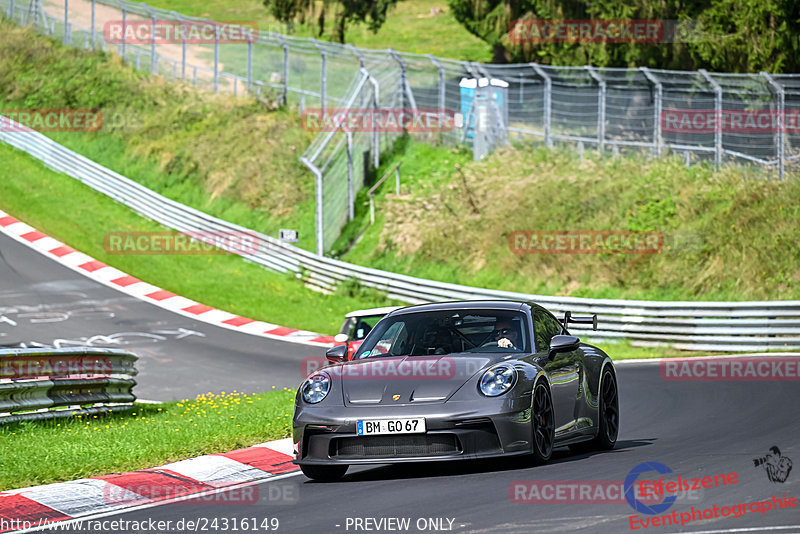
x=45, y=384
x=729, y=326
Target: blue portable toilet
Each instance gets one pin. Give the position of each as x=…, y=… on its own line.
x=472, y=88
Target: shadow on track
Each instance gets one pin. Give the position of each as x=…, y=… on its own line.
x=471, y=467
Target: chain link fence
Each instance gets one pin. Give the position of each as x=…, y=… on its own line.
x=748, y=119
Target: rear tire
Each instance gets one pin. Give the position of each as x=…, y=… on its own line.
x=607, y=415
x=324, y=473
x=543, y=423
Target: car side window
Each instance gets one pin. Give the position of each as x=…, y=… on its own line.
x=545, y=326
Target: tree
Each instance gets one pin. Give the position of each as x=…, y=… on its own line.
x=725, y=35
x=371, y=12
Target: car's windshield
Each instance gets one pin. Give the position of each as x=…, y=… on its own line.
x=447, y=332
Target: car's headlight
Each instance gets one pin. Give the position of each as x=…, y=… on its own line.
x=316, y=387
x=497, y=380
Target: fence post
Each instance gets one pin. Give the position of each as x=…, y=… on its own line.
x=66, y=22
x=124, y=28
x=183, y=43
x=601, y=108
x=442, y=81
x=285, y=46
x=548, y=102
x=318, y=223
x=397, y=180
x=718, y=117
x=351, y=200
x=376, y=156
x=216, y=57
x=249, y=63
x=657, y=135
x=93, y=24
x=360, y=57
x=323, y=76
x=780, y=137
x=406, y=88
x=153, y=56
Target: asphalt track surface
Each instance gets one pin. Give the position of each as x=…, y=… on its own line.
x=696, y=429
x=43, y=303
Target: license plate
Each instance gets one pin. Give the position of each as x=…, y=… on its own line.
x=390, y=426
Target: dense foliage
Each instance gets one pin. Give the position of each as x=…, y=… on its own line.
x=722, y=35
x=371, y=12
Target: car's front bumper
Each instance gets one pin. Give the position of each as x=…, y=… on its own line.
x=455, y=430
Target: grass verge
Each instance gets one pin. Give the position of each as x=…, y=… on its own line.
x=43, y=452
x=80, y=217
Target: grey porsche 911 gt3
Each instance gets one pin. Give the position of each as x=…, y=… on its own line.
x=457, y=380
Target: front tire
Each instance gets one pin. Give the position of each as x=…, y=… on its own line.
x=609, y=412
x=607, y=415
x=324, y=473
x=543, y=423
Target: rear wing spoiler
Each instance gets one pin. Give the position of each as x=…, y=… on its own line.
x=568, y=318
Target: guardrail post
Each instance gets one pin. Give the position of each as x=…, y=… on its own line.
x=718, y=117
x=216, y=57
x=657, y=135
x=601, y=108
x=351, y=199
x=780, y=137
x=548, y=102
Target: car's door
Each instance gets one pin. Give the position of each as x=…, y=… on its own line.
x=565, y=370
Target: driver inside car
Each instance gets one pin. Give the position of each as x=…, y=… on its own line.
x=506, y=334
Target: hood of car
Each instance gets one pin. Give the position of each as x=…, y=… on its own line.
x=399, y=380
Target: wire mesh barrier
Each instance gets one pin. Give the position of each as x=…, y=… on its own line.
x=751, y=119
x=50, y=383
x=734, y=326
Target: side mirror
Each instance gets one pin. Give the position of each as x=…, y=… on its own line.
x=340, y=338
x=337, y=354
x=563, y=344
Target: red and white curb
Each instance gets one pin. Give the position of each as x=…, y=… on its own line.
x=225, y=478
x=111, y=277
